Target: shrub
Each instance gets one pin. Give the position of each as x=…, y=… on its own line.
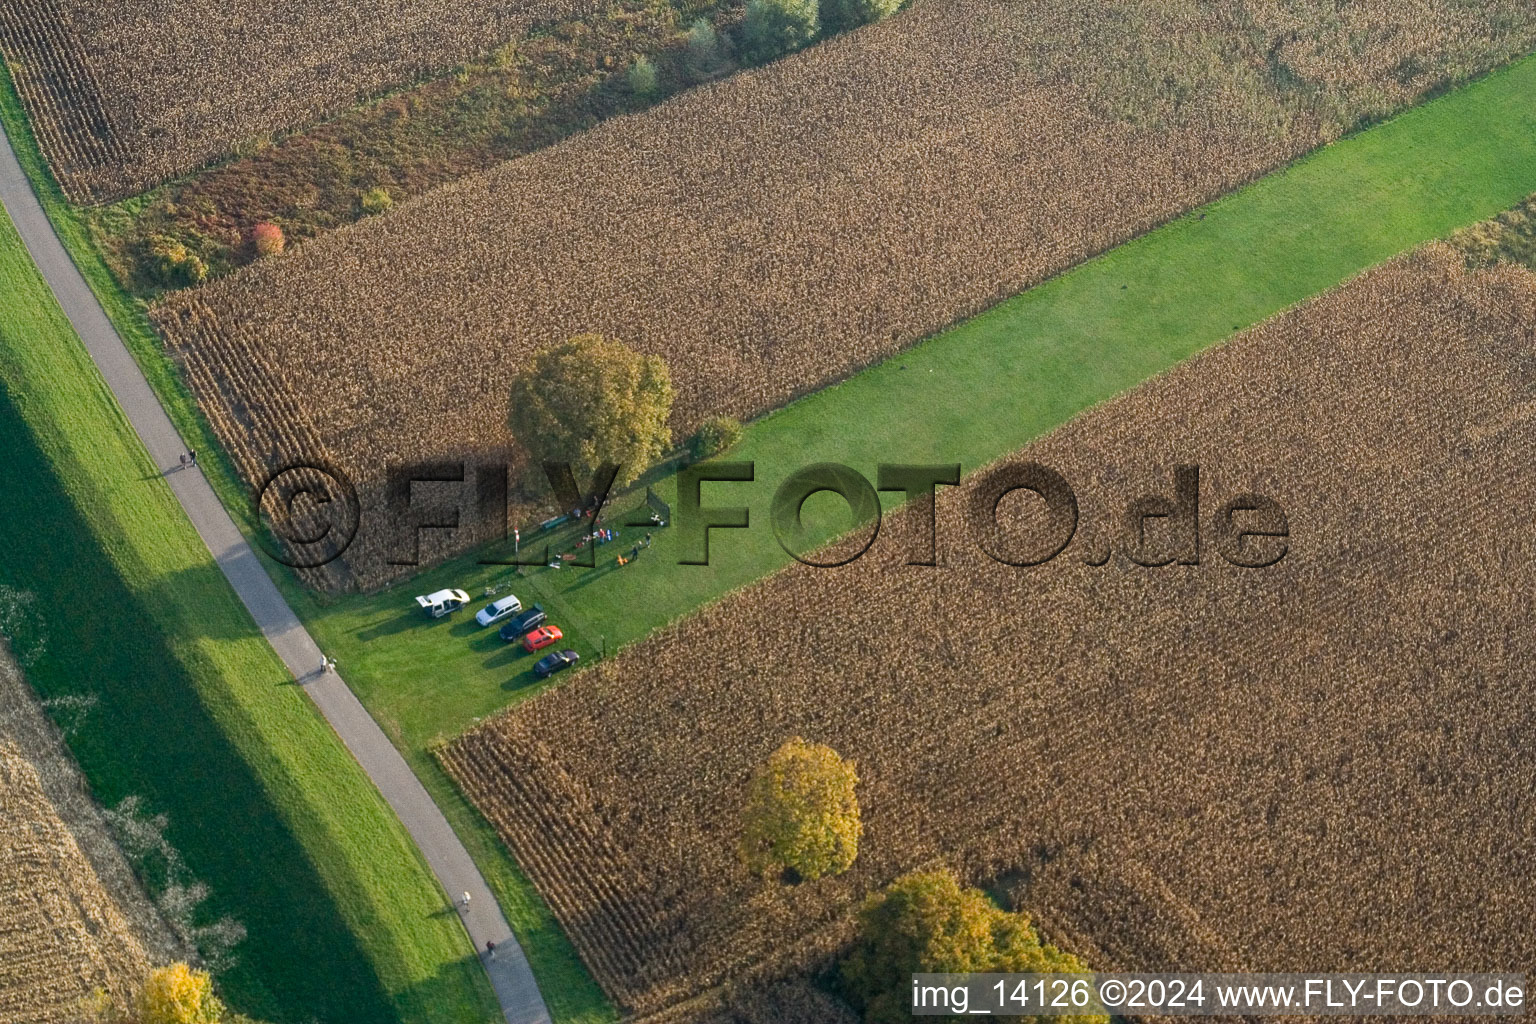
x=375, y=201
x=179, y=995
x=172, y=264
x=842, y=15
x=706, y=56
x=714, y=436
x=802, y=815
x=267, y=239
x=775, y=27
x=591, y=400
x=643, y=80
x=926, y=923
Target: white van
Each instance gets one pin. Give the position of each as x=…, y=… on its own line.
x=443, y=602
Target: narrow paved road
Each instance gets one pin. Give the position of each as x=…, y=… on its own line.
x=509, y=971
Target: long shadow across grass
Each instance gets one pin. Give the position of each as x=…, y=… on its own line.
x=149, y=735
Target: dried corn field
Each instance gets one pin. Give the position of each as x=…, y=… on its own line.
x=1320, y=765
x=73, y=919
x=124, y=95
x=778, y=230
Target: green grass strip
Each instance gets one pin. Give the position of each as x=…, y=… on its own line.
x=569, y=992
x=194, y=712
x=984, y=389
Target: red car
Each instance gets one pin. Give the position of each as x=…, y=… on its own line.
x=542, y=638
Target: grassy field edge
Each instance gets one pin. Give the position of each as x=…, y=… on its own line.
x=347, y=859
x=572, y=996
x=980, y=390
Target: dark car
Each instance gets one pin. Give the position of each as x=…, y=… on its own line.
x=520, y=624
x=554, y=662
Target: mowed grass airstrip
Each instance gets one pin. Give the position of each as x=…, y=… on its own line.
x=193, y=712
x=968, y=396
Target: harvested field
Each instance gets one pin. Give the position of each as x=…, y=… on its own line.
x=127, y=94
x=549, y=82
x=783, y=228
x=1320, y=765
x=73, y=919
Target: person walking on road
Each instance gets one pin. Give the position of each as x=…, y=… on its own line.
x=490, y=950
x=464, y=903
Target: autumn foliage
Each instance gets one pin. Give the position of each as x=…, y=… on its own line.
x=592, y=401
x=1059, y=733
x=927, y=923
x=177, y=994
x=801, y=815
x=267, y=239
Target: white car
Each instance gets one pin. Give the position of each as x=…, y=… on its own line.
x=442, y=602
x=498, y=610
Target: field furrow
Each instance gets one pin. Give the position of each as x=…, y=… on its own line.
x=780, y=230
x=1197, y=766
x=126, y=95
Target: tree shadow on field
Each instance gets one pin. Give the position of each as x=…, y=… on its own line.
x=155, y=738
x=204, y=582
x=466, y=624
x=603, y=570
x=450, y=986
x=488, y=641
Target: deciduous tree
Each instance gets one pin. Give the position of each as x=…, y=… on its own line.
x=773, y=28
x=842, y=15
x=590, y=401
x=179, y=995
x=714, y=436
x=268, y=239
x=927, y=923
x=802, y=815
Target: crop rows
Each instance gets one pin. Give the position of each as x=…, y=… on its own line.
x=781, y=229
x=55, y=80
x=72, y=918
x=1320, y=765
x=125, y=95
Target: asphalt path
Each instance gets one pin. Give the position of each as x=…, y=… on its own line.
x=508, y=969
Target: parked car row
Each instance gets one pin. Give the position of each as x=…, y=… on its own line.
x=530, y=627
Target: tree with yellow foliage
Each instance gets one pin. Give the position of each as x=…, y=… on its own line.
x=926, y=923
x=179, y=995
x=590, y=401
x=802, y=815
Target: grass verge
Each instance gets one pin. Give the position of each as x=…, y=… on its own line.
x=572, y=996
x=194, y=713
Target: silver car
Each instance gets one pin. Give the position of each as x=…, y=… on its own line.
x=498, y=610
